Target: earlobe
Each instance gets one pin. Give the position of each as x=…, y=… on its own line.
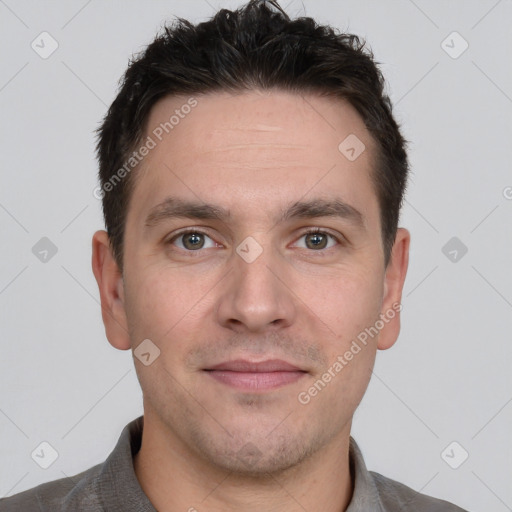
x=393, y=287
x=110, y=284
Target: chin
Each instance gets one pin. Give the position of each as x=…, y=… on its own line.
x=253, y=456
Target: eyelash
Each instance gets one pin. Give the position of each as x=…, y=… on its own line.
x=311, y=231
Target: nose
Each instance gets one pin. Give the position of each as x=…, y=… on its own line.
x=257, y=296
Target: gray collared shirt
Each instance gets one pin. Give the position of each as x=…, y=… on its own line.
x=113, y=486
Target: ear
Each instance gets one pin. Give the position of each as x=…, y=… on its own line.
x=110, y=283
x=393, y=285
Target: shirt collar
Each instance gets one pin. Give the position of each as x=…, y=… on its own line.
x=118, y=480
x=365, y=495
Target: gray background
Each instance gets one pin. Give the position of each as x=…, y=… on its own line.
x=447, y=379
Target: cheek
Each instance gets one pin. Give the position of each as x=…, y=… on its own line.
x=350, y=305
x=346, y=302
x=164, y=306
x=152, y=306
x=348, y=386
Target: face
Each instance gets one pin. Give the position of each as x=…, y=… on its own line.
x=253, y=260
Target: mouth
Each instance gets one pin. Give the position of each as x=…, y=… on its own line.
x=255, y=376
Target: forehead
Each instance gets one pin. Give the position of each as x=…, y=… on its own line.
x=255, y=148
x=274, y=118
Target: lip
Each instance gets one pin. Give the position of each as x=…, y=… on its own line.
x=242, y=365
x=255, y=376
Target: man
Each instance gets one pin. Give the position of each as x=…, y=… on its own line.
x=252, y=176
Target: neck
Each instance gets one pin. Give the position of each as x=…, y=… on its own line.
x=176, y=479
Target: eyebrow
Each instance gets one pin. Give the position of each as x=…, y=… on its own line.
x=173, y=207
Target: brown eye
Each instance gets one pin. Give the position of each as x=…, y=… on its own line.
x=192, y=240
x=318, y=240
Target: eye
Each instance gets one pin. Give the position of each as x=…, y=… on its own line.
x=316, y=239
x=192, y=240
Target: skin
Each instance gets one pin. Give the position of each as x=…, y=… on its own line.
x=206, y=445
